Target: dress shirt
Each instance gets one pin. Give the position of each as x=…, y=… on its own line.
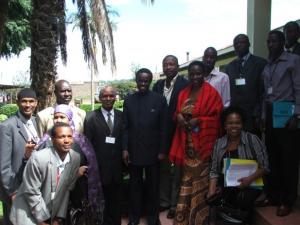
x=283, y=76
x=168, y=91
x=220, y=81
x=61, y=164
x=29, y=127
x=105, y=112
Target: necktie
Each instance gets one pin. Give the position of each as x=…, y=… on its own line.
x=32, y=132
x=241, y=65
x=109, y=122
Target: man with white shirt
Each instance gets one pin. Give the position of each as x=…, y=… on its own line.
x=103, y=127
x=18, y=137
x=217, y=79
x=63, y=94
x=49, y=175
x=170, y=175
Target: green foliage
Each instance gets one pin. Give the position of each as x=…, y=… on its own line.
x=17, y=28
x=8, y=109
x=124, y=87
x=3, y=117
x=88, y=107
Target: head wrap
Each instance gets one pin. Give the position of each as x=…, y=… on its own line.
x=26, y=93
x=65, y=109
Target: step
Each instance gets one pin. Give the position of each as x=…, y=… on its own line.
x=267, y=216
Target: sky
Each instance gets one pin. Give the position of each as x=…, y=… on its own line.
x=145, y=34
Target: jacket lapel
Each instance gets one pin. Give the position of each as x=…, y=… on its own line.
x=21, y=128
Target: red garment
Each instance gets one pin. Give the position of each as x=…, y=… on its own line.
x=207, y=108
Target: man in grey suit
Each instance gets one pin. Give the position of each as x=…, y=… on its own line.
x=18, y=138
x=49, y=175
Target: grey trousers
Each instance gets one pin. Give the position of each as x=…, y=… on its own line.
x=170, y=179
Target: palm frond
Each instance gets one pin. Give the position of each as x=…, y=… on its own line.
x=103, y=29
x=88, y=46
x=61, y=29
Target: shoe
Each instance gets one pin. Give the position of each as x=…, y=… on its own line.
x=283, y=210
x=171, y=214
x=132, y=223
x=263, y=203
x=163, y=208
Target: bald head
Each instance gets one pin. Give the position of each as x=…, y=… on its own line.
x=63, y=92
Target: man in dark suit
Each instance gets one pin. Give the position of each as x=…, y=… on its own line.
x=18, y=137
x=170, y=88
x=103, y=127
x=292, y=33
x=144, y=146
x=246, y=83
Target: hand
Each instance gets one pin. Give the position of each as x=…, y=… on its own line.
x=82, y=171
x=211, y=193
x=126, y=157
x=181, y=121
x=161, y=156
x=292, y=123
x=29, y=147
x=193, y=123
x=244, y=182
x=13, y=196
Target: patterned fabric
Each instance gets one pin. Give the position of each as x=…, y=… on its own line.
x=207, y=108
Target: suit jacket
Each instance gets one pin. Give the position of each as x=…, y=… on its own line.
x=45, y=119
x=13, y=138
x=33, y=202
x=248, y=97
x=158, y=87
x=144, y=127
x=109, y=156
x=296, y=49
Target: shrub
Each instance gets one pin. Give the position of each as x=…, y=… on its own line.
x=3, y=117
x=88, y=107
x=8, y=109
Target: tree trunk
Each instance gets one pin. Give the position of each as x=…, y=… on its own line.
x=3, y=17
x=44, y=45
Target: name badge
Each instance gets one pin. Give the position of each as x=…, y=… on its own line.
x=240, y=81
x=270, y=90
x=110, y=140
x=52, y=195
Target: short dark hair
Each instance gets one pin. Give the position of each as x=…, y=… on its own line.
x=57, y=125
x=241, y=36
x=196, y=63
x=143, y=70
x=232, y=110
x=211, y=49
x=171, y=56
x=292, y=24
x=279, y=34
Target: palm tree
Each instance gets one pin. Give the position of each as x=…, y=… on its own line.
x=48, y=28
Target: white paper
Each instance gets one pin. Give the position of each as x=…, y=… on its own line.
x=235, y=172
x=110, y=140
x=240, y=81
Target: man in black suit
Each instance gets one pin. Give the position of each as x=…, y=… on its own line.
x=103, y=127
x=170, y=88
x=144, y=146
x=292, y=33
x=246, y=83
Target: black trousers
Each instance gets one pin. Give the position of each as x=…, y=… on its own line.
x=6, y=212
x=112, y=211
x=151, y=196
x=282, y=181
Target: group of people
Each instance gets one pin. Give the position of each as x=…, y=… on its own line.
x=65, y=167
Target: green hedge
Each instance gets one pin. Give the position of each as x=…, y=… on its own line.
x=88, y=107
x=8, y=109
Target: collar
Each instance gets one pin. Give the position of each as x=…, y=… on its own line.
x=291, y=49
x=282, y=57
x=23, y=119
x=225, y=143
x=105, y=112
x=61, y=163
x=172, y=81
x=245, y=57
